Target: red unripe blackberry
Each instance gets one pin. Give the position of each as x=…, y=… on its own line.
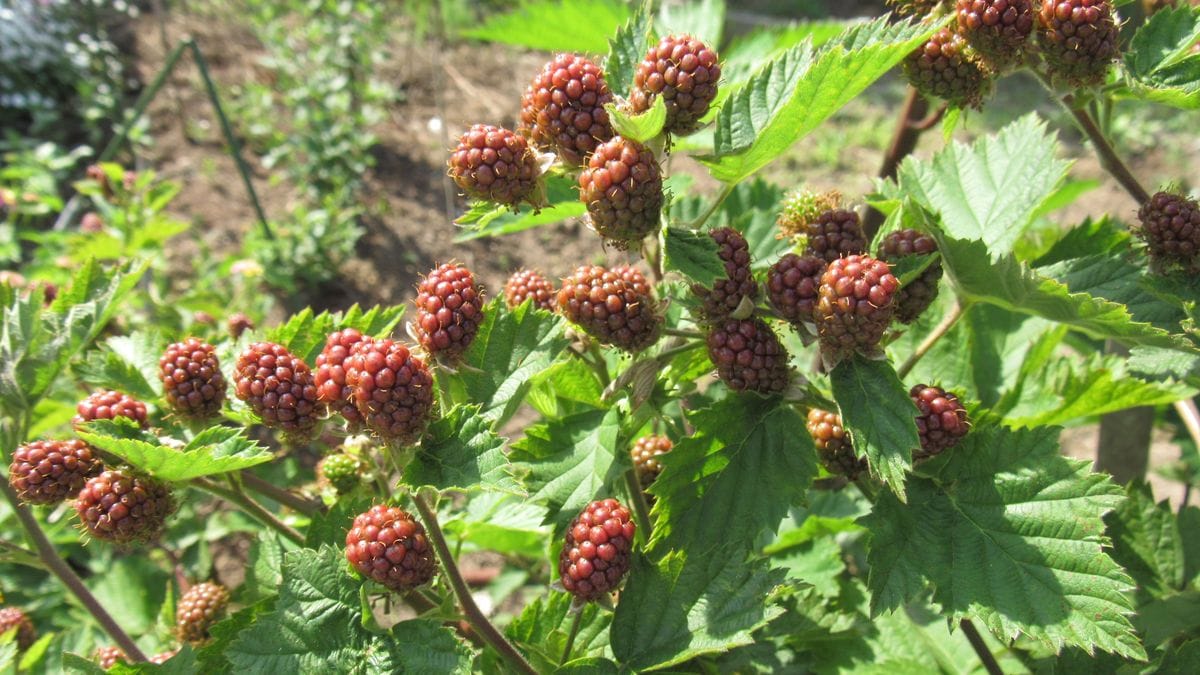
x=833, y=446
x=749, y=356
x=727, y=294
x=684, y=71
x=91, y=223
x=330, y=375
x=47, y=472
x=1078, y=40
x=1170, y=226
x=107, y=404
x=494, y=164
x=920, y=293
x=792, y=285
x=278, y=387
x=834, y=234
x=199, y=608
x=123, y=508
x=623, y=189
x=947, y=68
x=526, y=284
x=237, y=324
x=562, y=111
x=449, y=310
x=392, y=389
x=614, y=306
x=941, y=420
x=163, y=657
x=645, y=454
x=997, y=29
x=13, y=618
x=595, y=553
x=389, y=546
x=192, y=381
x=107, y=657
x=855, y=304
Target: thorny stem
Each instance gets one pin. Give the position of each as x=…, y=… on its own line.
x=308, y=507
x=985, y=655
x=475, y=617
x=938, y=333
x=717, y=201
x=250, y=508
x=641, y=509
x=576, y=622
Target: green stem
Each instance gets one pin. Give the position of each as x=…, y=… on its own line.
x=576, y=622
x=308, y=507
x=641, y=508
x=938, y=333
x=717, y=201
x=981, y=649
x=474, y=615
x=250, y=508
x=683, y=332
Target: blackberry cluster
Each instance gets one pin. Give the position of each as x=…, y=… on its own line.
x=941, y=420
x=792, y=285
x=1078, y=40
x=595, y=553
x=124, y=508
x=330, y=377
x=340, y=471
x=749, y=356
x=13, y=618
x=1170, y=226
x=107, y=404
x=449, y=310
x=997, y=29
x=389, y=546
x=107, y=657
x=237, y=324
x=833, y=446
x=199, y=608
x=834, y=234
x=529, y=284
x=192, y=381
x=47, y=472
x=855, y=304
x=948, y=68
x=684, y=71
x=563, y=109
x=278, y=387
x=622, y=186
x=645, y=454
x=727, y=294
x=920, y=293
x=494, y=164
x=392, y=389
x=614, y=306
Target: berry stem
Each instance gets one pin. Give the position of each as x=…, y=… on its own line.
x=308, y=507
x=576, y=622
x=595, y=359
x=250, y=507
x=473, y=614
x=717, y=201
x=985, y=655
x=641, y=509
x=938, y=333
x=684, y=333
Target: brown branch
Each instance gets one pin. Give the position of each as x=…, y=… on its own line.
x=904, y=141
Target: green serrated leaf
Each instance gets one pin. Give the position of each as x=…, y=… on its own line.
x=1160, y=64
x=460, y=451
x=304, y=334
x=1147, y=542
x=486, y=219
x=215, y=450
x=693, y=254
x=377, y=322
x=126, y=363
x=640, y=127
x=1092, y=237
x=880, y=416
x=556, y=25
x=1120, y=281
x=704, y=19
x=626, y=49
x=541, y=631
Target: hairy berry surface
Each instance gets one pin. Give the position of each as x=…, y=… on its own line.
x=614, y=306
x=340, y=471
x=562, y=111
x=107, y=657
x=685, y=73
x=834, y=234
x=749, y=356
x=330, y=375
x=1170, y=226
x=47, y=472
x=199, y=608
x=449, y=311
x=278, y=387
x=941, y=420
x=123, y=508
x=997, y=29
x=595, y=553
x=947, y=68
x=1078, y=40
x=392, y=388
x=833, y=446
x=107, y=404
x=389, y=546
x=494, y=164
x=727, y=294
x=13, y=617
x=192, y=381
x=855, y=304
x=622, y=186
x=645, y=453
x=792, y=285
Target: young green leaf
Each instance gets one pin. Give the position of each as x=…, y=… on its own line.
x=213, y=451
x=880, y=416
x=1160, y=63
x=126, y=363
x=693, y=254
x=541, y=631
x=704, y=20
x=642, y=126
x=376, y=322
x=1147, y=541
x=304, y=334
x=556, y=25
x=460, y=451
x=485, y=219
x=626, y=49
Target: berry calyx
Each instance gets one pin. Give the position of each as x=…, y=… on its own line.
x=388, y=546
x=340, y=471
x=855, y=304
x=595, y=553
x=941, y=420
x=449, y=311
x=997, y=29
x=1077, y=40
x=562, y=110
x=614, y=306
x=684, y=72
x=199, y=608
x=192, y=381
x=529, y=284
x=108, y=404
x=645, y=453
x=749, y=356
x=946, y=67
x=792, y=285
x=13, y=618
x=123, y=508
x=392, y=389
x=914, y=298
x=278, y=387
x=833, y=446
x=1170, y=226
x=738, y=286
x=495, y=164
x=330, y=375
x=47, y=472
x=623, y=188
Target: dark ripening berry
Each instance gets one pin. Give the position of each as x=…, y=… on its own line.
x=192, y=381
x=834, y=234
x=330, y=375
x=237, y=324
x=920, y=293
x=855, y=304
x=107, y=404
x=749, y=356
x=340, y=471
x=494, y=164
x=947, y=68
x=792, y=285
x=595, y=553
x=1170, y=226
x=727, y=294
x=47, y=472
x=563, y=112
x=623, y=189
x=389, y=546
x=123, y=508
x=392, y=389
x=1078, y=40
x=449, y=311
x=833, y=447
x=997, y=29
x=278, y=387
x=13, y=618
x=684, y=71
x=108, y=657
x=614, y=306
x=941, y=420
x=198, y=610
x=645, y=454
x=529, y=284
